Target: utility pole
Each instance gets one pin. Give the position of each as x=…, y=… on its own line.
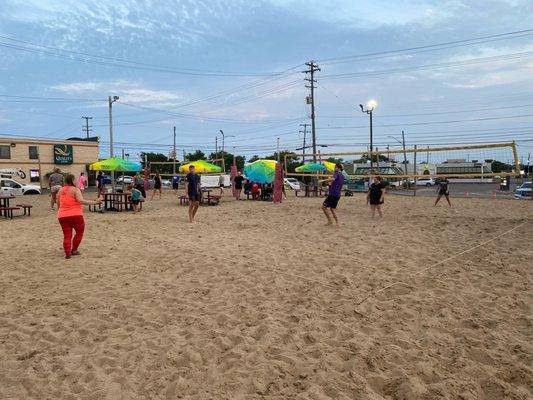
x=86, y=128
x=277, y=145
x=404, y=159
x=174, y=154
x=216, y=146
x=111, y=100
x=311, y=99
x=223, y=155
x=123, y=153
x=305, y=138
x=234, y=161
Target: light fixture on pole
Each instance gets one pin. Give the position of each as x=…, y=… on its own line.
x=369, y=110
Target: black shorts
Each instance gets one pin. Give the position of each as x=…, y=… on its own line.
x=135, y=202
x=222, y=186
x=331, y=201
x=443, y=193
x=195, y=197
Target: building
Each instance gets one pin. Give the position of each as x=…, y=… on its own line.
x=38, y=157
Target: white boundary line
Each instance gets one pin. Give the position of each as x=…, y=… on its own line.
x=372, y=294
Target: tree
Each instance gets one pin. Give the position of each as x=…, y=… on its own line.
x=228, y=159
x=155, y=158
x=292, y=159
x=334, y=160
x=366, y=158
x=254, y=158
x=196, y=156
x=498, y=166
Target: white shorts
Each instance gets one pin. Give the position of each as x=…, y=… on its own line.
x=55, y=188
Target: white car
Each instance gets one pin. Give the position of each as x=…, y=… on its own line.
x=292, y=183
x=126, y=179
x=10, y=187
x=425, y=182
x=166, y=183
x=524, y=191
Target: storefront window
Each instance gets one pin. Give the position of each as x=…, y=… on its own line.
x=5, y=152
x=34, y=152
x=34, y=175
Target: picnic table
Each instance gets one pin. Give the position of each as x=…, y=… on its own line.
x=117, y=201
x=209, y=200
x=5, y=206
x=7, y=210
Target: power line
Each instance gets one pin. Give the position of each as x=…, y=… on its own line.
x=118, y=62
x=501, y=36
x=472, y=61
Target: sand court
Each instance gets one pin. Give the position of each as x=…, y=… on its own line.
x=258, y=301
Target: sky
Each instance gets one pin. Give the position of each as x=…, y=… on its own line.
x=443, y=71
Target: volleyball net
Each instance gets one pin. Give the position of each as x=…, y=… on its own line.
x=472, y=161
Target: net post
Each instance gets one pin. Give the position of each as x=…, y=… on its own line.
x=516, y=162
x=414, y=169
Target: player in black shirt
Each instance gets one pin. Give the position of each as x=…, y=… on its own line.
x=443, y=191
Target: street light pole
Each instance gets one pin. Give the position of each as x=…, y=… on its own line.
x=369, y=109
x=111, y=100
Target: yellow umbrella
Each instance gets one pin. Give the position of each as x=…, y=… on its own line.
x=201, y=167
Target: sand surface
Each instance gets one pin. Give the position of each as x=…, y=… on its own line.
x=258, y=301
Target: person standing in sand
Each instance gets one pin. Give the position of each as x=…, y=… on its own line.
x=221, y=184
x=443, y=191
x=55, y=183
x=330, y=204
x=70, y=215
x=238, y=180
x=193, y=192
x=82, y=182
x=375, y=196
x=100, y=183
x=157, y=186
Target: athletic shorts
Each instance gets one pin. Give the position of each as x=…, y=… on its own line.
x=331, y=201
x=443, y=193
x=55, y=188
x=135, y=202
x=195, y=197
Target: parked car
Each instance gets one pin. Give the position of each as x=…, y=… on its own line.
x=14, y=188
x=425, y=182
x=292, y=183
x=126, y=179
x=524, y=191
x=106, y=179
x=166, y=183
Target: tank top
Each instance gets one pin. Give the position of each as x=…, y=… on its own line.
x=68, y=205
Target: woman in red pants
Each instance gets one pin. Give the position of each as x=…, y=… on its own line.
x=70, y=215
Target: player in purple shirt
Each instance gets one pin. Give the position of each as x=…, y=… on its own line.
x=330, y=204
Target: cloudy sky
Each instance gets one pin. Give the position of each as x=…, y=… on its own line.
x=237, y=65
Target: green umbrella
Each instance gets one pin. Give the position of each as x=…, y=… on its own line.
x=311, y=167
x=261, y=171
x=116, y=164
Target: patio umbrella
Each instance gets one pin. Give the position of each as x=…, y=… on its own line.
x=261, y=171
x=116, y=164
x=311, y=167
x=201, y=167
x=330, y=167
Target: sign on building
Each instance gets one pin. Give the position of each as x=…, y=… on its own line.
x=63, y=154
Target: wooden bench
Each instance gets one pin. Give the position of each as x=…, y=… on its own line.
x=8, y=211
x=26, y=207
